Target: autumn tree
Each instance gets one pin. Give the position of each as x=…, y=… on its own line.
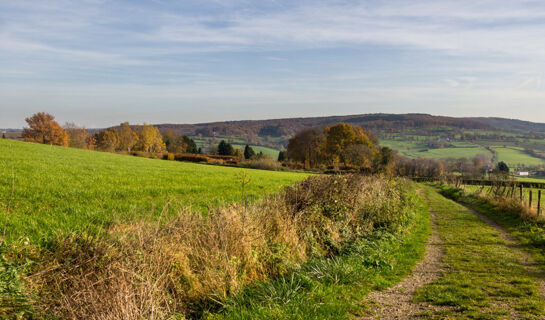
x=91, y=142
x=179, y=144
x=189, y=145
x=78, y=135
x=127, y=137
x=385, y=161
x=44, y=129
x=150, y=139
x=307, y=147
x=107, y=140
x=238, y=154
x=344, y=141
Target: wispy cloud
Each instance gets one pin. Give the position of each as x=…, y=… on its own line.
x=274, y=51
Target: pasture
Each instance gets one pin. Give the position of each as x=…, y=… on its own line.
x=273, y=153
x=58, y=190
x=514, y=156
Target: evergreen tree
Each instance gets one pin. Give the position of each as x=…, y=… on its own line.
x=225, y=149
x=283, y=156
x=502, y=167
x=248, y=152
x=190, y=145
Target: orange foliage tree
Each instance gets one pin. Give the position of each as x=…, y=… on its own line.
x=44, y=129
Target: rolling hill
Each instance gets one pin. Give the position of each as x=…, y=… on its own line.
x=412, y=135
x=519, y=143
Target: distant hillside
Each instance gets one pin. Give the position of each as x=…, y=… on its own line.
x=519, y=143
x=289, y=126
x=512, y=125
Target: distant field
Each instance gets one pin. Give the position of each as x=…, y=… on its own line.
x=453, y=152
x=507, y=151
x=268, y=151
x=514, y=156
x=62, y=189
x=414, y=150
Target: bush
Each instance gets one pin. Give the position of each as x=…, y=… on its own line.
x=191, y=157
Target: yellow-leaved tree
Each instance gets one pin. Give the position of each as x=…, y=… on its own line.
x=150, y=139
x=349, y=145
x=127, y=137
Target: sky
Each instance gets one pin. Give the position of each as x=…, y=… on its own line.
x=99, y=62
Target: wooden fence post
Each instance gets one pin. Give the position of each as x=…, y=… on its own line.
x=530, y=199
x=538, y=202
x=521, y=192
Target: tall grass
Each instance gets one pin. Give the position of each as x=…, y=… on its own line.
x=183, y=264
x=512, y=205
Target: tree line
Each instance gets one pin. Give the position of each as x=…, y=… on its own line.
x=42, y=128
x=341, y=144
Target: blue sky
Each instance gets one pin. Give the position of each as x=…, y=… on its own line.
x=100, y=62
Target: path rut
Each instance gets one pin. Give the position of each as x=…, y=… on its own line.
x=395, y=302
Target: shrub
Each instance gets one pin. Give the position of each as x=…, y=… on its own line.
x=190, y=157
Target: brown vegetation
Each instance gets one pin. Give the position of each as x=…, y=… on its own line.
x=153, y=270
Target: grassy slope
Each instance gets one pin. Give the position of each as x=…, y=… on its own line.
x=334, y=288
x=513, y=156
x=63, y=189
x=459, y=149
x=484, y=279
x=413, y=147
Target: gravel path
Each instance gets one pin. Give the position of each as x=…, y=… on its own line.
x=395, y=302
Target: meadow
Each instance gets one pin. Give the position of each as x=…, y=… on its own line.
x=59, y=189
x=181, y=240
x=514, y=156
x=273, y=153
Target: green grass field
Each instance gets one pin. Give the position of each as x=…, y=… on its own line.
x=62, y=189
x=415, y=149
x=273, y=153
x=455, y=152
x=514, y=156
x=509, y=153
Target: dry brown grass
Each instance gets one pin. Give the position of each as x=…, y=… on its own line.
x=154, y=270
x=513, y=205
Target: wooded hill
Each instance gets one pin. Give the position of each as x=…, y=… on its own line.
x=290, y=126
x=374, y=122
